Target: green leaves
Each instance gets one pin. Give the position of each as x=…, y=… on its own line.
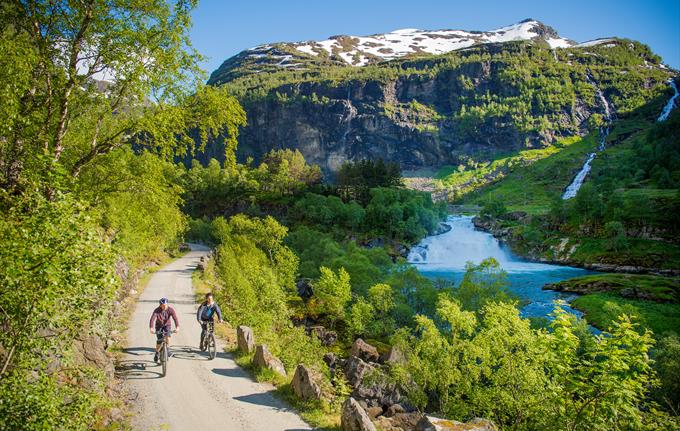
x=57, y=277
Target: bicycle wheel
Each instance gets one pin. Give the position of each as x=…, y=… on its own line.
x=164, y=359
x=212, y=347
x=202, y=343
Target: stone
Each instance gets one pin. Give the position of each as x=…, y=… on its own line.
x=264, y=359
x=394, y=409
x=431, y=423
x=90, y=349
x=327, y=338
x=393, y=356
x=354, y=417
x=245, y=339
x=305, y=384
x=399, y=422
x=355, y=369
x=365, y=351
x=304, y=288
x=374, y=412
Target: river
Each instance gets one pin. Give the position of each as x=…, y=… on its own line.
x=444, y=256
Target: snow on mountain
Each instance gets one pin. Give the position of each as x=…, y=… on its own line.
x=363, y=50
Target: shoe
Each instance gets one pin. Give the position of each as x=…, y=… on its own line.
x=155, y=357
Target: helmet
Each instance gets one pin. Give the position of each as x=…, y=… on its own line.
x=163, y=301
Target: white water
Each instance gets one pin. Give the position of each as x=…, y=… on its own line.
x=446, y=255
x=580, y=177
x=671, y=103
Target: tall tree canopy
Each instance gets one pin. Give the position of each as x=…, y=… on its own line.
x=81, y=78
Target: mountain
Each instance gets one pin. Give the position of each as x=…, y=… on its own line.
x=433, y=98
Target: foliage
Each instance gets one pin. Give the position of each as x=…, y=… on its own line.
x=331, y=293
x=356, y=179
x=496, y=366
x=74, y=98
x=58, y=278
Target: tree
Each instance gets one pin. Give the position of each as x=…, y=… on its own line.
x=332, y=292
x=95, y=76
x=494, y=208
x=615, y=234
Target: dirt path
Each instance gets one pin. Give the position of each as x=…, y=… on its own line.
x=196, y=394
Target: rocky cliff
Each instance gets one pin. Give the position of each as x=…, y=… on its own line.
x=430, y=105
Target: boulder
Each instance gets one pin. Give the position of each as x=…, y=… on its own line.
x=431, y=423
x=90, y=350
x=365, y=351
x=394, y=409
x=393, y=356
x=373, y=412
x=354, y=417
x=327, y=338
x=305, y=384
x=355, y=369
x=245, y=339
x=264, y=359
x=399, y=422
x=304, y=288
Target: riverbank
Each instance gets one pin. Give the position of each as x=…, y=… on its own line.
x=587, y=252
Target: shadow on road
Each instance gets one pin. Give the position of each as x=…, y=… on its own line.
x=264, y=399
x=231, y=372
x=137, y=370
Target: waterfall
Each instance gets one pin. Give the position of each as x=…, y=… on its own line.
x=580, y=177
x=351, y=113
x=445, y=256
x=671, y=103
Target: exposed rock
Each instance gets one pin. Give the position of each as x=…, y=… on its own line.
x=304, y=288
x=514, y=215
x=399, y=422
x=376, y=243
x=365, y=351
x=377, y=390
x=305, y=383
x=442, y=228
x=354, y=417
x=374, y=412
x=264, y=359
x=393, y=356
x=327, y=338
x=245, y=339
x=184, y=247
x=355, y=369
x=431, y=423
x=89, y=349
x=394, y=409
x=201, y=266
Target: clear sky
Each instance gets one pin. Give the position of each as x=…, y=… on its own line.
x=223, y=28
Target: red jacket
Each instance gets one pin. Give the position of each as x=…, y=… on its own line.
x=162, y=318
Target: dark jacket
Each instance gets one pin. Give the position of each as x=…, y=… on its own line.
x=207, y=312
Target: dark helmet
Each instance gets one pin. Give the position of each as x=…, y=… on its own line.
x=163, y=301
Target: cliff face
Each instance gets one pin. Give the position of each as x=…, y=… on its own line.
x=430, y=111
x=407, y=120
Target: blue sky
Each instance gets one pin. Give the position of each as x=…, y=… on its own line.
x=223, y=28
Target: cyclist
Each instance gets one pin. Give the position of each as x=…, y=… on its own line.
x=162, y=316
x=206, y=313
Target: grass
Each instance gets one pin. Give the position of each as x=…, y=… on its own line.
x=662, y=289
x=601, y=309
x=532, y=188
x=640, y=252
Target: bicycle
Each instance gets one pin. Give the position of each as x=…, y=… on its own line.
x=208, y=339
x=163, y=351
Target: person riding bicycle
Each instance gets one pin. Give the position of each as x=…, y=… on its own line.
x=161, y=317
x=206, y=313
